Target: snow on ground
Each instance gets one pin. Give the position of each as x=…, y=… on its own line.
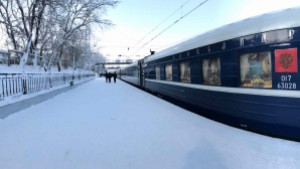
x=116, y=126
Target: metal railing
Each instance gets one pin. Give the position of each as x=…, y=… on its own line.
x=14, y=84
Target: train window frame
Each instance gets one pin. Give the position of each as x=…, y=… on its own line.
x=157, y=73
x=211, y=74
x=169, y=72
x=257, y=74
x=185, y=72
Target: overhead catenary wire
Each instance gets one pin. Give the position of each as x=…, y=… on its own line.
x=202, y=3
x=161, y=22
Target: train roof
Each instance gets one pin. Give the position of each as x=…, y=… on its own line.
x=282, y=19
x=133, y=64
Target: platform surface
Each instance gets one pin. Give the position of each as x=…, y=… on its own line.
x=117, y=126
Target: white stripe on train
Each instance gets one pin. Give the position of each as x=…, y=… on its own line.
x=234, y=90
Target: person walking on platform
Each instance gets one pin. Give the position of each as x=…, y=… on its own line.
x=115, y=77
x=106, y=76
x=109, y=77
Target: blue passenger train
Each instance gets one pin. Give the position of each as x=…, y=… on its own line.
x=245, y=74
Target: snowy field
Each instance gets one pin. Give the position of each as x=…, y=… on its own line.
x=116, y=126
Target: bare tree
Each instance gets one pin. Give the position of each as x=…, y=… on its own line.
x=7, y=11
x=75, y=17
x=51, y=25
x=22, y=18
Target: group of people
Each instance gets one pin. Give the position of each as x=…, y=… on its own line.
x=109, y=75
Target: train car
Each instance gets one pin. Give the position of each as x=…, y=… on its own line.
x=245, y=74
x=133, y=73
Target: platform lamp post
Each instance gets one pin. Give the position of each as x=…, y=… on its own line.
x=73, y=66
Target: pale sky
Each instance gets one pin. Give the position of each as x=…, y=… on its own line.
x=134, y=19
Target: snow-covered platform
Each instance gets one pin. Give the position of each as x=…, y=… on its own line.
x=116, y=126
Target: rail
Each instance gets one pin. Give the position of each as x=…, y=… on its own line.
x=16, y=84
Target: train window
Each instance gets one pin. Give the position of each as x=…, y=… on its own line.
x=198, y=51
x=252, y=40
x=150, y=72
x=176, y=57
x=157, y=72
x=224, y=45
x=179, y=55
x=136, y=73
x=185, y=72
x=192, y=53
x=291, y=34
x=276, y=36
x=264, y=38
x=256, y=70
x=216, y=47
x=203, y=50
x=211, y=71
x=242, y=41
x=233, y=43
x=168, y=72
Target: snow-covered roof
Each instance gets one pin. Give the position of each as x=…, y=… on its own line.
x=271, y=21
x=133, y=64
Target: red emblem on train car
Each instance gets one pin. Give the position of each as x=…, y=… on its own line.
x=286, y=60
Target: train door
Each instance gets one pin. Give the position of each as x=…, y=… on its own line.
x=141, y=74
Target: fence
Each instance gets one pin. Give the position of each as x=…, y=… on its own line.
x=14, y=84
